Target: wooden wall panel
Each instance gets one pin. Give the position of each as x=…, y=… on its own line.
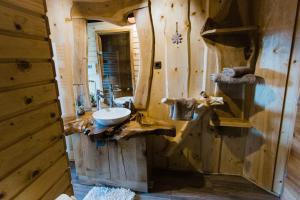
x=289, y=145
x=225, y=154
x=21, y=22
x=174, y=58
x=60, y=23
x=14, y=101
x=210, y=141
x=62, y=43
x=27, y=123
x=177, y=55
x=145, y=34
x=197, y=17
x=48, y=179
x=276, y=31
x=80, y=76
x=59, y=188
x=36, y=6
x=158, y=85
x=32, y=147
x=16, y=75
x=14, y=47
x=26, y=174
x=195, y=146
x=291, y=189
x=232, y=153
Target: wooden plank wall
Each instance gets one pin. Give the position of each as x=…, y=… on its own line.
x=62, y=43
x=290, y=143
x=185, y=72
x=291, y=182
x=172, y=79
x=80, y=75
x=276, y=37
x=33, y=160
x=146, y=37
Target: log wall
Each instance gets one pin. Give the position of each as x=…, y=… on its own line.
x=33, y=161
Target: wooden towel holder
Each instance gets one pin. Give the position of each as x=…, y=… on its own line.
x=203, y=101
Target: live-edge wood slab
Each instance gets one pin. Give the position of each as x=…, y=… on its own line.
x=137, y=125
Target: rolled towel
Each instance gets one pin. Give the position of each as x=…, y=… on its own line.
x=237, y=71
x=183, y=109
x=222, y=78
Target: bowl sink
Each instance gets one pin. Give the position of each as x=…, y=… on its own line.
x=111, y=116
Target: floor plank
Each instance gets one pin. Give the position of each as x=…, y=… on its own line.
x=171, y=185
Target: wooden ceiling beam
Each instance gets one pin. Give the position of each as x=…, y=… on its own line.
x=113, y=11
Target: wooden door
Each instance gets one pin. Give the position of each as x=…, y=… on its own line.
x=33, y=160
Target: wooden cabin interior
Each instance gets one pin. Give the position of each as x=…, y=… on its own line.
x=149, y=99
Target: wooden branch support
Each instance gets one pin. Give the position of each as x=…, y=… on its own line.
x=231, y=122
x=77, y=125
x=134, y=129
x=208, y=101
x=233, y=30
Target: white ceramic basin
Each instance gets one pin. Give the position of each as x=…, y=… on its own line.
x=122, y=100
x=111, y=116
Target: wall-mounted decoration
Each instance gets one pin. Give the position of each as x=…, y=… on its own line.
x=177, y=37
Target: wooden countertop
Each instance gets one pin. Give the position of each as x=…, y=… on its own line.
x=137, y=125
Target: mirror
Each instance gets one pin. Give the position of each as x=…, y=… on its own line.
x=113, y=63
x=122, y=16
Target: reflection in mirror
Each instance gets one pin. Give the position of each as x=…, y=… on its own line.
x=113, y=63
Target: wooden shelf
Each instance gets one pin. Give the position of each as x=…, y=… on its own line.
x=235, y=30
x=231, y=122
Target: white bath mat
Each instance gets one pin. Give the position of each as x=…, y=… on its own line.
x=105, y=193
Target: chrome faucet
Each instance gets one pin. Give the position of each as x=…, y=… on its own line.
x=99, y=95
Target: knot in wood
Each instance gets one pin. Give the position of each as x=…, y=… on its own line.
x=28, y=100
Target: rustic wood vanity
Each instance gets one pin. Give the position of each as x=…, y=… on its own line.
x=115, y=156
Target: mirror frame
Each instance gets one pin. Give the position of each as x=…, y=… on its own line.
x=118, y=15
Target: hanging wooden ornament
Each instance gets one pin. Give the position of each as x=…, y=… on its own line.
x=177, y=37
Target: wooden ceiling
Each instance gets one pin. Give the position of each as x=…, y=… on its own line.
x=114, y=11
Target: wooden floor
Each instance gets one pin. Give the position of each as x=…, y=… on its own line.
x=193, y=186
